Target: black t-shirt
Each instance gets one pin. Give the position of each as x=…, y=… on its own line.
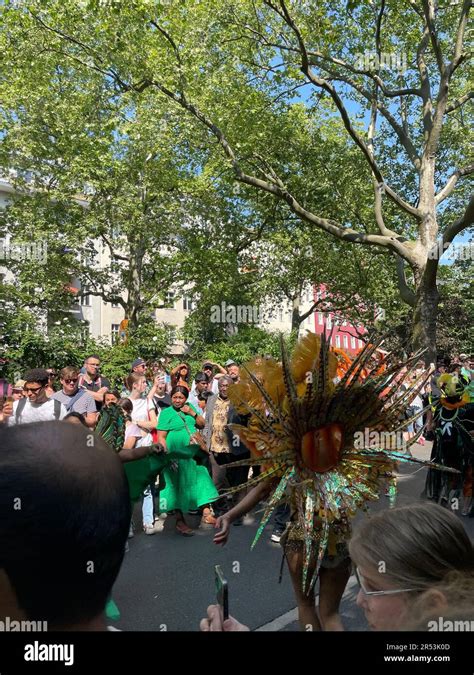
x=163, y=402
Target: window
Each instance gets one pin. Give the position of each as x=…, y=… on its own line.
x=85, y=300
x=360, y=344
x=329, y=322
x=115, y=305
x=320, y=318
x=345, y=341
x=114, y=332
x=169, y=300
x=338, y=340
x=353, y=342
x=188, y=304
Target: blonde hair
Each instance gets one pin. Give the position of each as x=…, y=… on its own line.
x=418, y=545
x=133, y=378
x=456, y=603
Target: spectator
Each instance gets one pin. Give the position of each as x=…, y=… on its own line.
x=18, y=390
x=75, y=510
x=224, y=446
x=180, y=376
x=36, y=406
x=138, y=367
x=158, y=394
x=52, y=375
x=208, y=369
x=111, y=397
x=401, y=553
x=233, y=370
x=76, y=418
x=190, y=487
x=200, y=393
x=75, y=399
x=93, y=382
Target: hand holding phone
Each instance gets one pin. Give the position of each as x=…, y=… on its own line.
x=222, y=592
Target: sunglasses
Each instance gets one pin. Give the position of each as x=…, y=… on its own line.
x=372, y=593
x=71, y=380
x=32, y=390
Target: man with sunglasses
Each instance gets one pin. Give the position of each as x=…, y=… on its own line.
x=75, y=399
x=35, y=406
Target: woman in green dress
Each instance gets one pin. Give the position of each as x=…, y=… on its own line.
x=188, y=485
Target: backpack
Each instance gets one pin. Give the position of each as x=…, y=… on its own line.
x=21, y=405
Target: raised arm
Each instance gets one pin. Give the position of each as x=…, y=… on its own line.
x=255, y=495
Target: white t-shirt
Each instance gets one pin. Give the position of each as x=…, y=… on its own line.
x=141, y=406
x=34, y=412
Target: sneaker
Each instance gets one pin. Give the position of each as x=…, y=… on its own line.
x=276, y=536
x=149, y=529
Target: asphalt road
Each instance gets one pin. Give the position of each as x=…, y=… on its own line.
x=167, y=580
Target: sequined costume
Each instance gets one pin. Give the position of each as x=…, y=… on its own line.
x=306, y=419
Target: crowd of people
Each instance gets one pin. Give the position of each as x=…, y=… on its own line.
x=186, y=424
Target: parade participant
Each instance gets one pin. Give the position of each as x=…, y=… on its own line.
x=74, y=503
x=189, y=486
x=453, y=445
x=303, y=426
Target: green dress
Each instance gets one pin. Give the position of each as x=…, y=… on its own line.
x=190, y=486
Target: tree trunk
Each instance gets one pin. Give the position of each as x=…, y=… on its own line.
x=424, y=319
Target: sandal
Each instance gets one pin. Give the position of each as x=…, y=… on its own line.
x=182, y=528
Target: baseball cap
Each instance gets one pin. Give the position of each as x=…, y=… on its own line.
x=208, y=365
x=19, y=384
x=138, y=362
x=230, y=362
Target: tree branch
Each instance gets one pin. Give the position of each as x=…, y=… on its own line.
x=406, y=293
x=459, y=102
x=429, y=12
x=450, y=185
x=113, y=255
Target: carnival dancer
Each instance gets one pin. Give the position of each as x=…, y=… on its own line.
x=304, y=416
x=453, y=445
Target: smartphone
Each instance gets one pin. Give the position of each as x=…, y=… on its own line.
x=222, y=592
x=168, y=379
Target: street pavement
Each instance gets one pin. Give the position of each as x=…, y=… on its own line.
x=167, y=580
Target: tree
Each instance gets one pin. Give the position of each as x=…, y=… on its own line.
x=257, y=80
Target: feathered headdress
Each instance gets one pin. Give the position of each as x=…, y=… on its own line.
x=311, y=421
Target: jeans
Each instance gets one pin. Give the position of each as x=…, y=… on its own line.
x=281, y=517
x=148, y=510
